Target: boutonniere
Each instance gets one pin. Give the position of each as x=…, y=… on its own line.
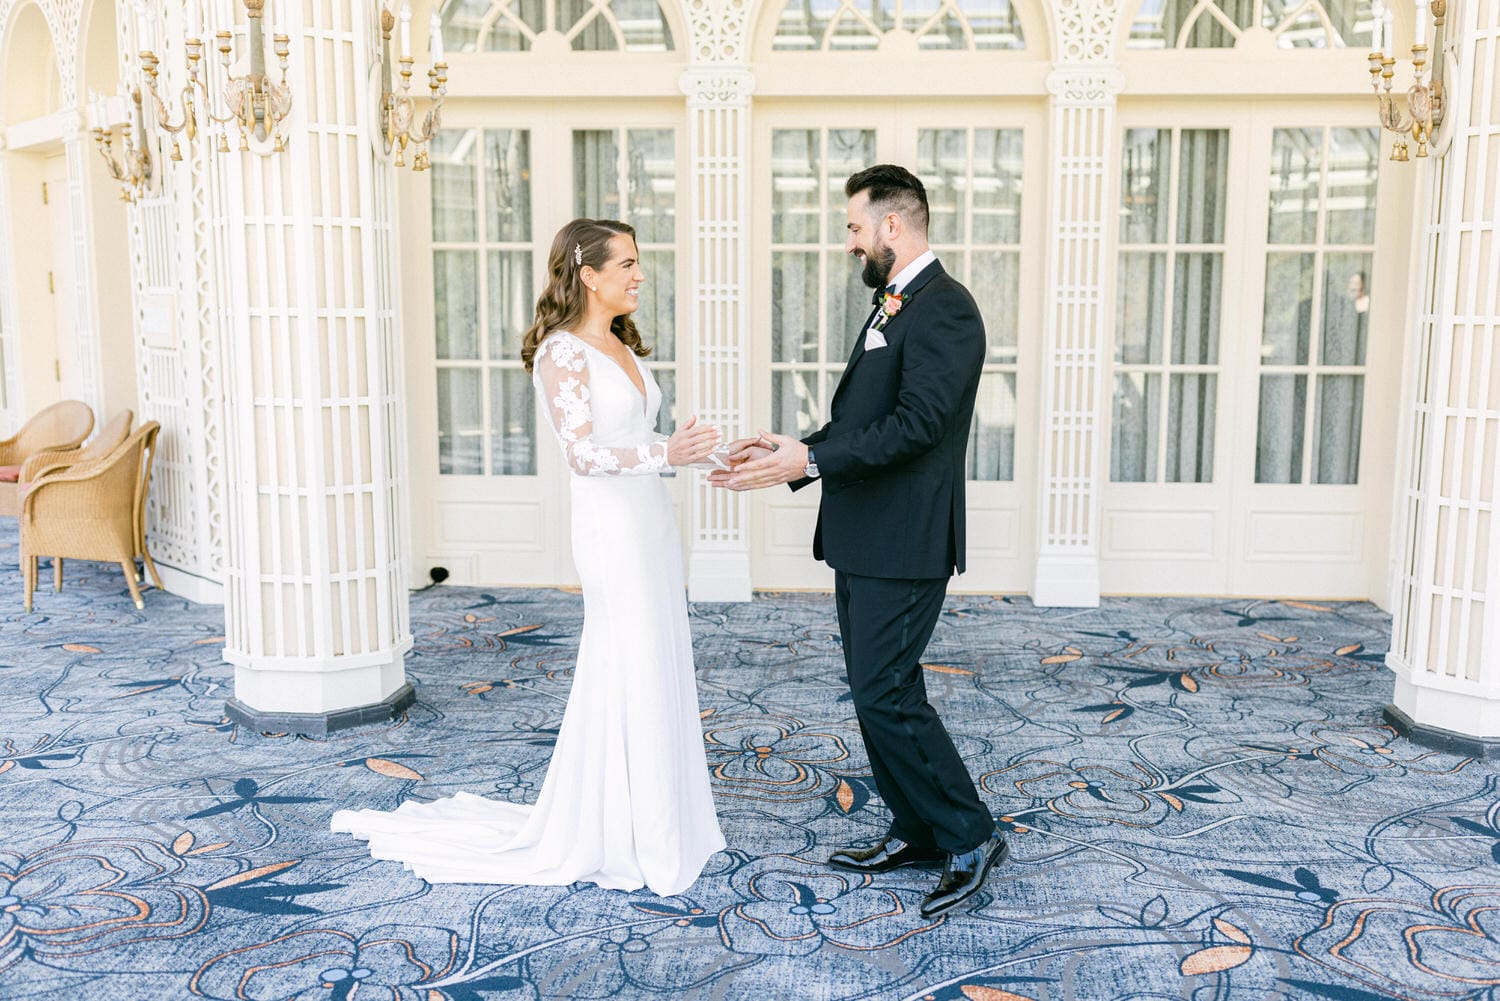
x=889, y=307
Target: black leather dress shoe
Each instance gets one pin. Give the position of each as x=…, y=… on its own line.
x=964, y=874
x=883, y=856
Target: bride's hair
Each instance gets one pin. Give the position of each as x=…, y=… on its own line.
x=562, y=303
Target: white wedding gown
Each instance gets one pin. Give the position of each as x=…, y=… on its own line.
x=626, y=801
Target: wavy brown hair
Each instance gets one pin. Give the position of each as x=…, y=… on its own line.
x=562, y=303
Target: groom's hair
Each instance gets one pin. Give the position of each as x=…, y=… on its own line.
x=892, y=189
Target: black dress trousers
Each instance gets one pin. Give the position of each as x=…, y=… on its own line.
x=886, y=624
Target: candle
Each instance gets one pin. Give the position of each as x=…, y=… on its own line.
x=435, y=37
x=194, y=19
x=1420, y=36
x=1390, y=27
x=405, y=30
x=1377, y=40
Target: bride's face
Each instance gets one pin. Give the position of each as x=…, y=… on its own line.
x=617, y=283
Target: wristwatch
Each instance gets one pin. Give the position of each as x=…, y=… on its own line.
x=811, y=470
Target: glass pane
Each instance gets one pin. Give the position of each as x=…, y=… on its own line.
x=853, y=33
x=794, y=187
x=997, y=186
x=1336, y=439
x=667, y=416
x=849, y=151
x=656, y=315
x=1153, y=27
x=643, y=24
x=800, y=27
x=849, y=305
x=507, y=157
x=1143, y=211
x=943, y=165
x=460, y=427
x=794, y=321
x=995, y=280
x=994, y=25
x=511, y=306
x=507, y=33
x=455, y=198
x=1208, y=32
x=1296, y=165
x=512, y=423
x=1304, y=31
x=794, y=402
x=596, y=34
x=1133, y=434
x=1140, y=302
x=830, y=386
x=1196, y=291
x=1278, y=441
x=455, y=292
x=1353, y=159
x=1203, y=176
x=1346, y=309
x=1191, y=405
x=651, y=183
x=1288, y=312
x=596, y=176
x=945, y=31
x=992, y=439
x=462, y=21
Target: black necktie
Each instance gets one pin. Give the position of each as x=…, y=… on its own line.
x=878, y=296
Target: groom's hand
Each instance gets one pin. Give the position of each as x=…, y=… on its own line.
x=786, y=463
x=745, y=449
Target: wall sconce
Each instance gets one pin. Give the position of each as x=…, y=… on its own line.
x=398, y=111
x=134, y=171
x=1422, y=115
x=256, y=104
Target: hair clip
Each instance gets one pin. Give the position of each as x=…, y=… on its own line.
x=578, y=253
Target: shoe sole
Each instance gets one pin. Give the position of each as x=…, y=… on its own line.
x=999, y=859
x=920, y=863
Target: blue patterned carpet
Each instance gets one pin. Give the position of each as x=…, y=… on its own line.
x=1204, y=804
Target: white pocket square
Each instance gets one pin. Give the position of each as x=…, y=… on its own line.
x=874, y=339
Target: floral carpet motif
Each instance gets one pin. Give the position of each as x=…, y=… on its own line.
x=1201, y=796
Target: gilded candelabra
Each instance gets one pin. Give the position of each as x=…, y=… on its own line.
x=257, y=105
x=133, y=172
x=1421, y=114
x=398, y=110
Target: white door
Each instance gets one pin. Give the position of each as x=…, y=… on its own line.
x=973, y=162
x=63, y=346
x=1245, y=354
x=490, y=495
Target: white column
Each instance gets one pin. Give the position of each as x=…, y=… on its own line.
x=178, y=339
x=1075, y=390
x=1445, y=641
x=719, y=141
x=77, y=149
x=316, y=604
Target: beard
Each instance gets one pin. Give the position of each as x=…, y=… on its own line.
x=878, y=264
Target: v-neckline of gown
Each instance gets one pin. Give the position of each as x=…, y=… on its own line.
x=639, y=390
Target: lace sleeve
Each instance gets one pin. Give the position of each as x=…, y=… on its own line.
x=562, y=381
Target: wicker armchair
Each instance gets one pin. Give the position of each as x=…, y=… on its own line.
x=106, y=441
x=62, y=425
x=92, y=511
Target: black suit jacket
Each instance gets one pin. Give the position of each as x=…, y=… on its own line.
x=891, y=459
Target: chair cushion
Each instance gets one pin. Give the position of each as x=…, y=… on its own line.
x=10, y=474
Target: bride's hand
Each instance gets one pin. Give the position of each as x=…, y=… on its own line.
x=691, y=443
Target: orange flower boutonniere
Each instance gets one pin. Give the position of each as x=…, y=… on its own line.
x=889, y=307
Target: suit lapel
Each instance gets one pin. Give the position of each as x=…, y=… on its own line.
x=924, y=276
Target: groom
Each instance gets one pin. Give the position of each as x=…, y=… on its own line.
x=891, y=524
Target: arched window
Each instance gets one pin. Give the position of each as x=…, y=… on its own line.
x=587, y=25
x=853, y=25
x=1218, y=24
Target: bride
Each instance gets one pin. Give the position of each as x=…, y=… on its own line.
x=626, y=800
